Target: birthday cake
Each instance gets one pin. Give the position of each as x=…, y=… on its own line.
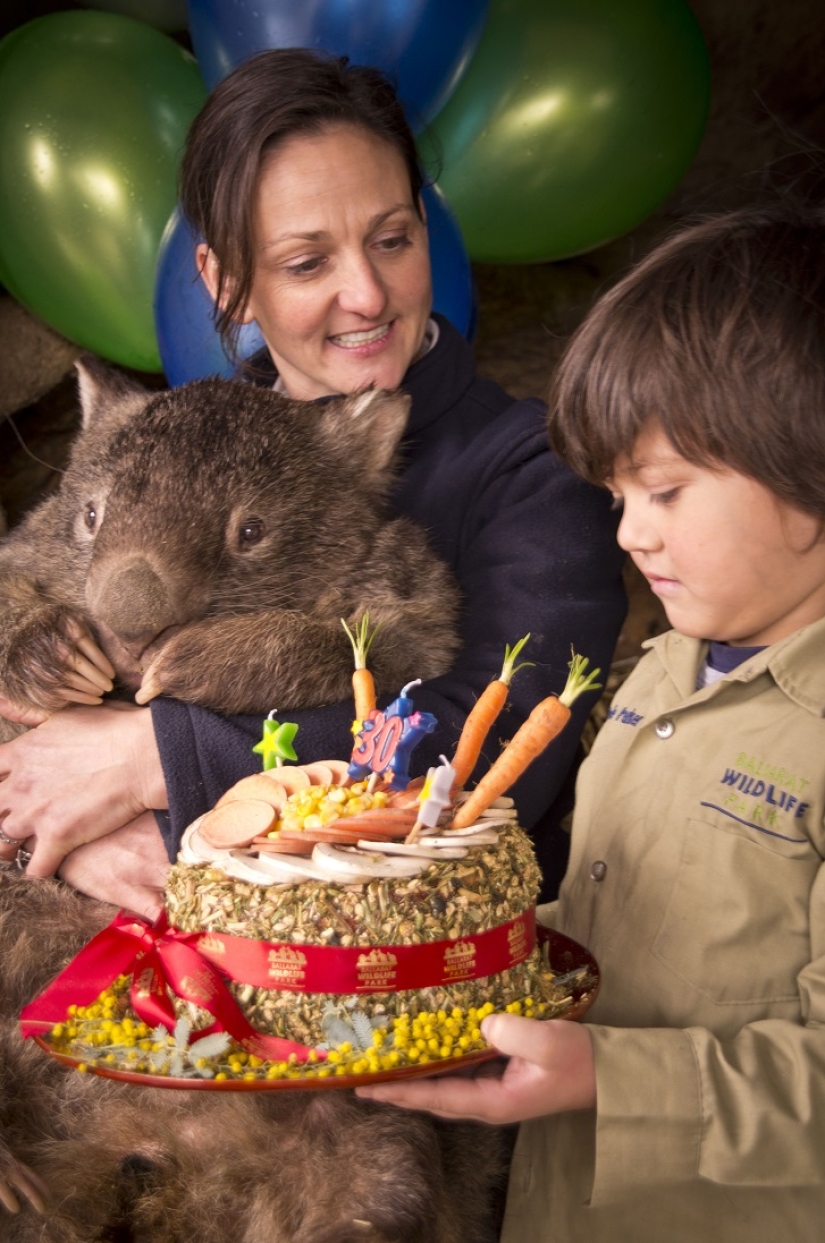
x=448, y=927
x=335, y=917
x=366, y=896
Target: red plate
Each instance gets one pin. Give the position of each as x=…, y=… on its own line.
x=565, y=956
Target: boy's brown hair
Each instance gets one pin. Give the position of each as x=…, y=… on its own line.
x=718, y=335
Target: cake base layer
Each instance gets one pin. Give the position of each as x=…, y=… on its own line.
x=452, y=901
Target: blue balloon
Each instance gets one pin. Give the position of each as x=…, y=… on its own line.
x=454, y=291
x=424, y=46
x=189, y=344
x=190, y=347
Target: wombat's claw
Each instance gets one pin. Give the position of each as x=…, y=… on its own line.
x=149, y=688
x=87, y=675
x=96, y=665
x=84, y=676
x=15, y=1177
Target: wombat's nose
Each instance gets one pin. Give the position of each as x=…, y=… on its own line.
x=133, y=602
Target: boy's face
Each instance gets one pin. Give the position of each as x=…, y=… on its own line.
x=727, y=558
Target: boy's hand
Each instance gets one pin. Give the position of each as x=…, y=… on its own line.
x=550, y=1070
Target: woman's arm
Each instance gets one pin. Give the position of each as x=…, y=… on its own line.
x=533, y=549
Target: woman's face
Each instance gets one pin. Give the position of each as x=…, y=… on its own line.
x=341, y=288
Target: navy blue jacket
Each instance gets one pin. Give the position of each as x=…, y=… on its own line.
x=533, y=549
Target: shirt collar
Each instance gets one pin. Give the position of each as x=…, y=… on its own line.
x=436, y=381
x=796, y=663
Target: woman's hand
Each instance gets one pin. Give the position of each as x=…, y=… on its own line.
x=127, y=868
x=550, y=1070
x=77, y=777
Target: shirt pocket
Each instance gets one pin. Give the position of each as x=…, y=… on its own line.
x=736, y=924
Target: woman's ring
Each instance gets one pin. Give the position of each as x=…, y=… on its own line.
x=9, y=841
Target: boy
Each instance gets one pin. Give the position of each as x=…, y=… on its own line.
x=692, y=1103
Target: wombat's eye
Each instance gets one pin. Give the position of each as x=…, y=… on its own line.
x=90, y=515
x=251, y=531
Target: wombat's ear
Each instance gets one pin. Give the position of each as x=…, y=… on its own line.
x=106, y=395
x=367, y=426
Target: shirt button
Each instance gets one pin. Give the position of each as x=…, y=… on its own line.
x=599, y=870
x=665, y=728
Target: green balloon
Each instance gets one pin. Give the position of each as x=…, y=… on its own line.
x=572, y=122
x=94, y=109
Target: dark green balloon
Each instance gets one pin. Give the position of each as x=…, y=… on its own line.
x=573, y=122
x=94, y=108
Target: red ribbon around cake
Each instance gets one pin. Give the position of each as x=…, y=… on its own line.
x=194, y=966
x=159, y=959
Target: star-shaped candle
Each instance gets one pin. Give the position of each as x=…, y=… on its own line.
x=276, y=744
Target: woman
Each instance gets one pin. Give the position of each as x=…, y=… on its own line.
x=301, y=174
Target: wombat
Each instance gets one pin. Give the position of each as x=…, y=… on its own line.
x=216, y=533
x=219, y=532
x=130, y=1164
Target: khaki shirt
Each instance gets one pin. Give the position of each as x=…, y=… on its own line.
x=705, y=811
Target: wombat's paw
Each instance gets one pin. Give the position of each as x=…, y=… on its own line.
x=48, y=659
x=205, y=664
x=186, y=668
x=18, y=1181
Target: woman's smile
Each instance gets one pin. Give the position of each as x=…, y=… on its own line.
x=362, y=341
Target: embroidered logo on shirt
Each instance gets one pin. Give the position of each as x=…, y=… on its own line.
x=624, y=716
x=763, y=796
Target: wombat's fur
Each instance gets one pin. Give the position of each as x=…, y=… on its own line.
x=126, y=1164
x=232, y=528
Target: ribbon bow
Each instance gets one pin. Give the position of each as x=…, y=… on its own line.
x=160, y=959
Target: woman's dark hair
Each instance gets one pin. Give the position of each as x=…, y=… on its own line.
x=265, y=101
x=719, y=336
